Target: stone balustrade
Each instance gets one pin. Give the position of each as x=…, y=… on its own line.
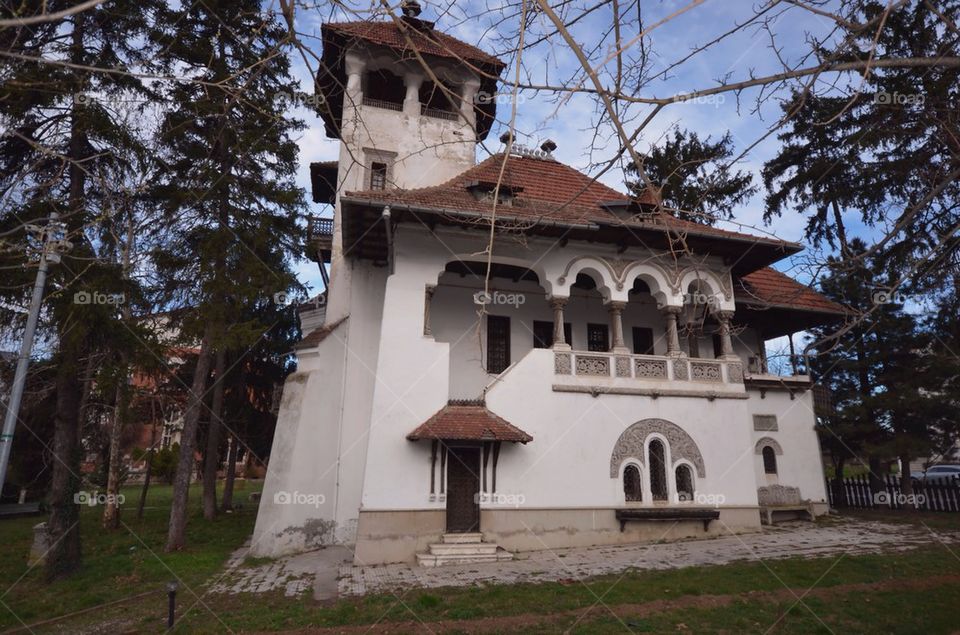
x=654, y=368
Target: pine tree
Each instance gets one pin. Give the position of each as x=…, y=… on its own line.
x=694, y=178
x=63, y=144
x=227, y=191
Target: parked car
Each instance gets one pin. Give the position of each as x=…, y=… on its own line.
x=937, y=473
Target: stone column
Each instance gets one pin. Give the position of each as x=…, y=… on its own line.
x=616, y=325
x=411, y=103
x=559, y=339
x=673, y=337
x=354, y=67
x=467, y=106
x=726, y=343
x=427, y=300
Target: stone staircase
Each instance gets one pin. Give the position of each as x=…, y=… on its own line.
x=462, y=549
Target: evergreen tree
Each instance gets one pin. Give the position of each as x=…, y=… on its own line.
x=694, y=178
x=62, y=145
x=888, y=153
x=227, y=191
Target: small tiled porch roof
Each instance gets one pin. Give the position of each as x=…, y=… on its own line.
x=768, y=287
x=468, y=421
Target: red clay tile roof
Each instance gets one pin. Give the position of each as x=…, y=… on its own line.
x=315, y=337
x=426, y=41
x=468, y=421
x=769, y=287
x=545, y=190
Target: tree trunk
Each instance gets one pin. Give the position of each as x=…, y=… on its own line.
x=63, y=529
x=876, y=482
x=176, y=533
x=227, y=503
x=212, y=455
x=111, y=510
x=146, y=477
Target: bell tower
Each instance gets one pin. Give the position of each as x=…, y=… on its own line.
x=408, y=102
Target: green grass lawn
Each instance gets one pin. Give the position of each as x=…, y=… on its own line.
x=900, y=592
x=122, y=563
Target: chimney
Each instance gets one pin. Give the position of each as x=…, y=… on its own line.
x=410, y=8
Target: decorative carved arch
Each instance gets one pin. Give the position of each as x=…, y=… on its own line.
x=718, y=284
x=662, y=288
x=595, y=268
x=767, y=441
x=631, y=444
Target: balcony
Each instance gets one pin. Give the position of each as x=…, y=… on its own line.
x=649, y=375
x=320, y=238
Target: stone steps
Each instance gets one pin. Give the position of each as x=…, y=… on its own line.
x=462, y=549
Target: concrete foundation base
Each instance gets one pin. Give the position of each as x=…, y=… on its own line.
x=385, y=537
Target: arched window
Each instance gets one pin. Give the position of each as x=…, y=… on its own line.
x=684, y=484
x=632, y=488
x=658, y=470
x=769, y=460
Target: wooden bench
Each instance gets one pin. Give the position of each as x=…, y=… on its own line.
x=781, y=498
x=705, y=515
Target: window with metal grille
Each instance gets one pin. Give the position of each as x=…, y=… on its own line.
x=632, y=487
x=498, y=343
x=658, y=470
x=597, y=338
x=543, y=333
x=642, y=340
x=378, y=176
x=769, y=460
x=684, y=483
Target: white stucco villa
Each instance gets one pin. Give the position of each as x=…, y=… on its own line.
x=609, y=385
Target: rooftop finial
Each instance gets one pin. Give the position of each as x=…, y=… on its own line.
x=410, y=8
x=548, y=146
x=506, y=137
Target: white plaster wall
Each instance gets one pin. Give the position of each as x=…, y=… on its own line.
x=303, y=458
x=567, y=463
x=801, y=464
x=412, y=384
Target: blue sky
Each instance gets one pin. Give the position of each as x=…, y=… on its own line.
x=572, y=123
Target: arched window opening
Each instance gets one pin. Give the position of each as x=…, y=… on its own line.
x=684, y=484
x=769, y=460
x=632, y=487
x=658, y=470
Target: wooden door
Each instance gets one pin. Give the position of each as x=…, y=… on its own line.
x=463, y=489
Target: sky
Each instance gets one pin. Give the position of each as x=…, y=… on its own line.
x=571, y=122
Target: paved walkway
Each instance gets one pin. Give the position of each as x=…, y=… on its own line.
x=330, y=572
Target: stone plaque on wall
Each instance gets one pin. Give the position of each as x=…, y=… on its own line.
x=765, y=423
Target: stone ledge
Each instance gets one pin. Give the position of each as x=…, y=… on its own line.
x=649, y=392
